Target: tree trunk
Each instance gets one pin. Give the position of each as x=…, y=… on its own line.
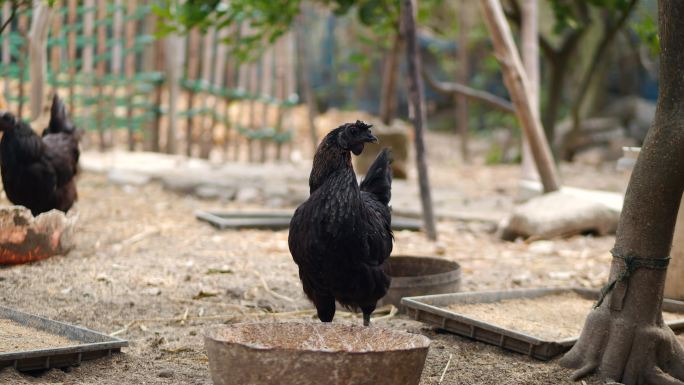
x=463, y=75
x=517, y=84
x=418, y=113
x=71, y=52
x=625, y=338
x=388, y=90
x=674, y=284
x=529, y=31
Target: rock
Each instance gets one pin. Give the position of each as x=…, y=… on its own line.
x=563, y=213
x=542, y=247
x=129, y=178
x=165, y=374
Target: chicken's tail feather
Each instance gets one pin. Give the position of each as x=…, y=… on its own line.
x=60, y=120
x=378, y=179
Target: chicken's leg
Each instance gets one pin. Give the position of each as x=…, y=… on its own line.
x=367, y=311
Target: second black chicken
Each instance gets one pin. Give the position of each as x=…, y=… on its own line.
x=38, y=172
x=341, y=236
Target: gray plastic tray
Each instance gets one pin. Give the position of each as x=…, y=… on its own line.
x=88, y=344
x=430, y=309
x=279, y=220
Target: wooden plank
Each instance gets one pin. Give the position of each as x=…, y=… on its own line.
x=174, y=57
x=266, y=91
x=38, y=35
x=56, y=32
x=22, y=26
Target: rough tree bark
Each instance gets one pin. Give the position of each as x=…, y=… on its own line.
x=517, y=84
x=530, y=56
x=417, y=97
x=625, y=338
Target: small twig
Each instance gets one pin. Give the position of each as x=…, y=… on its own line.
x=441, y=378
x=9, y=20
x=125, y=329
x=185, y=316
x=268, y=289
x=138, y=237
x=392, y=312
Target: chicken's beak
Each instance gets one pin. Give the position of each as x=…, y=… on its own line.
x=370, y=137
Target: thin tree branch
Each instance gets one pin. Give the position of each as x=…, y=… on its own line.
x=453, y=88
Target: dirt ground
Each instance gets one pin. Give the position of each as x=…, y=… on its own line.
x=145, y=269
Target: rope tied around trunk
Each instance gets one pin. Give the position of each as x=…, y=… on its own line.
x=632, y=262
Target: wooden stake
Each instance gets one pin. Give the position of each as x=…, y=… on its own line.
x=100, y=68
x=418, y=113
x=192, y=74
x=129, y=68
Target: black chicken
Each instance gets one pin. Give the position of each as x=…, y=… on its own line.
x=341, y=236
x=38, y=173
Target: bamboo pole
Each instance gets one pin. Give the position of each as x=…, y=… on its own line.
x=463, y=76
x=518, y=86
x=22, y=25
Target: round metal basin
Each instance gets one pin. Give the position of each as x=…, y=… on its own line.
x=313, y=353
x=414, y=276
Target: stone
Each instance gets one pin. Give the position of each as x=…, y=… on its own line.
x=563, y=213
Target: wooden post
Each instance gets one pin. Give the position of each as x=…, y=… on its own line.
x=229, y=84
x=463, y=76
x=174, y=56
x=303, y=58
x=418, y=113
x=129, y=68
x=518, y=86
x=40, y=26
x=241, y=117
x=191, y=74
x=71, y=52
x=266, y=91
x=207, y=130
x=388, y=100
x=117, y=32
x=56, y=32
x=158, y=94
x=88, y=27
x=530, y=56
x=100, y=68
x=22, y=24
x=253, y=92
x=218, y=78
x=6, y=54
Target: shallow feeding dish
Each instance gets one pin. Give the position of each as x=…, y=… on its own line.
x=282, y=353
x=416, y=276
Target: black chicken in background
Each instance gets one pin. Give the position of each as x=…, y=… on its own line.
x=341, y=236
x=38, y=173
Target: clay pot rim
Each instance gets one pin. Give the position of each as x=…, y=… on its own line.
x=421, y=341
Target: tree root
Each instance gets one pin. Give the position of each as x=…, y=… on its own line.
x=629, y=349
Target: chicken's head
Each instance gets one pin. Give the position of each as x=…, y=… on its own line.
x=7, y=121
x=353, y=136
